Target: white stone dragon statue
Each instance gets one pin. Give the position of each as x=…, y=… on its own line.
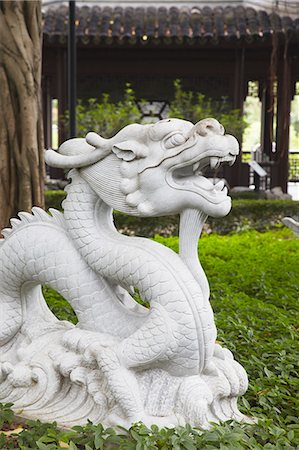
x=292, y=224
x=122, y=362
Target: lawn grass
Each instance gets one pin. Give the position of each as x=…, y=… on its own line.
x=254, y=281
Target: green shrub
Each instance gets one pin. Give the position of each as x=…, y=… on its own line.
x=105, y=117
x=260, y=215
x=247, y=195
x=194, y=106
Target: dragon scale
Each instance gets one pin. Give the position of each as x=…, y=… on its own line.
x=36, y=262
x=121, y=259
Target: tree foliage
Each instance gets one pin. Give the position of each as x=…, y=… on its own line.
x=194, y=106
x=107, y=118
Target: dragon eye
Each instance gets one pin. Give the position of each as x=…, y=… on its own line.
x=174, y=140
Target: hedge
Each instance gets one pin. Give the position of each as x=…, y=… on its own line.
x=260, y=215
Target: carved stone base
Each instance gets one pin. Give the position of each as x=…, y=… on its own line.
x=64, y=374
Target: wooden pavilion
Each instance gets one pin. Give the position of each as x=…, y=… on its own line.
x=216, y=51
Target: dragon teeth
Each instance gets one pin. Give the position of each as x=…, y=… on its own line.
x=214, y=162
x=231, y=162
x=195, y=166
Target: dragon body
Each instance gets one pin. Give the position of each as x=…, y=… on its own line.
x=119, y=350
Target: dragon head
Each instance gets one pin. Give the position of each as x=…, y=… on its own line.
x=156, y=169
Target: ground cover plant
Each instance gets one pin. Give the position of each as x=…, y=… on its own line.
x=254, y=280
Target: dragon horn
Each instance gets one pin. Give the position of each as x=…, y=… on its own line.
x=78, y=152
x=55, y=159
x=97, y=141
x=205, y=127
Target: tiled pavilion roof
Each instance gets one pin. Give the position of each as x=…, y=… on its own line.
x=96, y=25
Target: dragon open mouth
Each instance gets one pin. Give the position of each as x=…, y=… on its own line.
x=191, y=177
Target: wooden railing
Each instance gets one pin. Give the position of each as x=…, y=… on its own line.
x=293, y=164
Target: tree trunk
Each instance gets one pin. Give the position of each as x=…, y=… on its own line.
x=21, y=135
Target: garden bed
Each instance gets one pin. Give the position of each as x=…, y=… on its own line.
x=254, y=280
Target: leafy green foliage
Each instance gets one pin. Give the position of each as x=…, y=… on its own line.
x=260, y=215
x=254, y=280
x=6, y=415
x=105, y=117
x=194, y=106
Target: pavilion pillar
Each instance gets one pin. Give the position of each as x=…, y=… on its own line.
x=280, y=172
x=62, y=92
x=61, y=89
x=266, y=96
x=72, y=69
x=267, y=99
x=238, y=175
